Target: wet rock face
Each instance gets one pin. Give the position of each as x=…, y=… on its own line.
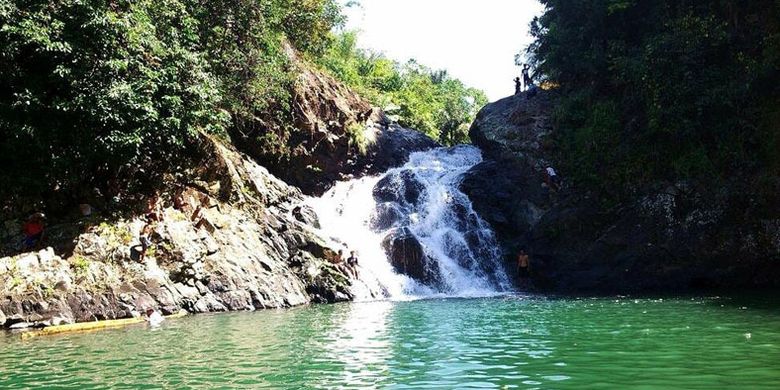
x=392, y=148
x=399, y=187
x=509, y=196
x=240, y=240
x=386, y=216
x=407, y=257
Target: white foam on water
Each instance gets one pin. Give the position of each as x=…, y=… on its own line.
x=442, y=219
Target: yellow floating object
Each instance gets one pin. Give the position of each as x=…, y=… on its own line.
x=88, y=326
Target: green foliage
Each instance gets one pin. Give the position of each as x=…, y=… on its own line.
x=423, y=99
x=112, y=95
x=92, y=92
x=662, y=90
x=357, y=137
x=115, y=235
x=80, y=265
x=87, y=87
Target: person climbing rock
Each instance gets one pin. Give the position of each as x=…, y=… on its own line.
x=338, y=261
x=522, y=265
x=518, y=86
x=153, y=210
x=352, y=263
x=33, y=230
x=551, y=178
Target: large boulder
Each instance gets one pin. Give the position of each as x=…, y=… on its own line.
x=666, y=237
x=407, y=256
x=392, y=147
x=401, y=187
x=514, y=127
x=387, y=215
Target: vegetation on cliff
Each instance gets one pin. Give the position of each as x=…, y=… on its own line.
x=663, y=90
x=90, y=87
x=112, y=95
x=427, y=100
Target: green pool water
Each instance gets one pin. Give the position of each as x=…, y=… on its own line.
x=505, y=342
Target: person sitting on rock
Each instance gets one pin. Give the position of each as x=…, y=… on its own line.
x=522, y=264
x=340, y=264
x=518, y=86
x=352, y=263
x=33, y=230
x=145, y=239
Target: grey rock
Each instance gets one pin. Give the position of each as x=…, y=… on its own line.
x=399, y=187
x=407, y=257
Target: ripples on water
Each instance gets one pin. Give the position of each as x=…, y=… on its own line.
x=510, y=342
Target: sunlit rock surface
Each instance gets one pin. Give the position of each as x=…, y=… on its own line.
x=246, y=250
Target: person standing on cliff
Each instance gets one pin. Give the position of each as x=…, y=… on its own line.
x=518, y=86
x=527, y=77
x=523, y=263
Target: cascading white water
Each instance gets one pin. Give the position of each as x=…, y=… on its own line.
x=420, y=199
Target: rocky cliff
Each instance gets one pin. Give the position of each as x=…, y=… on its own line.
x=668, y=237
x=333, y=134
x=234, y=238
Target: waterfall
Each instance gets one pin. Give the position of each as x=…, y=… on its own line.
x=415, y=233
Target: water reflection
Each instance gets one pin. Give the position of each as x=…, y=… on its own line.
x=359, y=341
x=508, y=342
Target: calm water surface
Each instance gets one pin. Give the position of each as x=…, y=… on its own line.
x=508, y=342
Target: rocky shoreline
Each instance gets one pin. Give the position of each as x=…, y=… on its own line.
x=253, y=248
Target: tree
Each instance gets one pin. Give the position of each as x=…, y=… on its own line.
x=663, y=90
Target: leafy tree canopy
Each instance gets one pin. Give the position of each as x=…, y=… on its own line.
x=663, y=90
x=93, y=91
x=421, y=98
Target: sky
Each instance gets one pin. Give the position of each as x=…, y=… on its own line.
x=475, y=41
